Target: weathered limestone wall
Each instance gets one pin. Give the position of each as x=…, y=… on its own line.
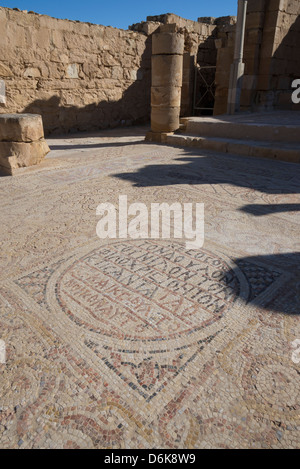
x=225, y=52
x=271, y=56
x=78, y=76
x=258, y=44
x=81, y=76
x=280, y=61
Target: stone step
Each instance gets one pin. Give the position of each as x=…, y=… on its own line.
x=227, y=127
x=267, y=149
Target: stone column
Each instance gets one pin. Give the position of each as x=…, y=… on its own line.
x=167, y=67
x=238, y=67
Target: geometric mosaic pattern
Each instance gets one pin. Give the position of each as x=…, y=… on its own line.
x=142, y=343
x=148, y=308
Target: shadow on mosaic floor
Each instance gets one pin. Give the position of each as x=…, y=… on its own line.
x=267, y=176
x=278, y=274
x=88, y=146
x=260, y=210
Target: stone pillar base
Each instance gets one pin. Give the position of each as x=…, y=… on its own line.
x=158, y=137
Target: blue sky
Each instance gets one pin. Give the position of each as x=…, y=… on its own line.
x=119, y=13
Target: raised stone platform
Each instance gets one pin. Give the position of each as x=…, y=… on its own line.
x=272, y=135
x=276, y=127
x=22, y=141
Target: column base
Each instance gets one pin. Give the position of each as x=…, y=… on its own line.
x=158, y=137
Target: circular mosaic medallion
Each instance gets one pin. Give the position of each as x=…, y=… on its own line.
x=147, y=290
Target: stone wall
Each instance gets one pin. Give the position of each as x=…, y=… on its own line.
x=271, y=56
x=225, y=50
x=81, y=76
x=78, y=76
x=280, y=62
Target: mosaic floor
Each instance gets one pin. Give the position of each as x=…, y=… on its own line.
x=143, y=343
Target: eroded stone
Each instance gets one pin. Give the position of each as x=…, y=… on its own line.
x=21, y=127
x=15, y=155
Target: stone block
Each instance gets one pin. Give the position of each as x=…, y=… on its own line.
x=284, y=99
x=21, y=127
x=254, y=20
x=165, y=119
x=219, y=43
x=167, y=43
x=32, y=72
x=170, y=26
x=5, y=71
x=249, y=82
x=166, y=96
x=246, y=98
x=150, y=27
x=215, y=145
x=158, y=137
x=72, y=71
x=15, y=155
x=167, y=70
x=256, y=5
